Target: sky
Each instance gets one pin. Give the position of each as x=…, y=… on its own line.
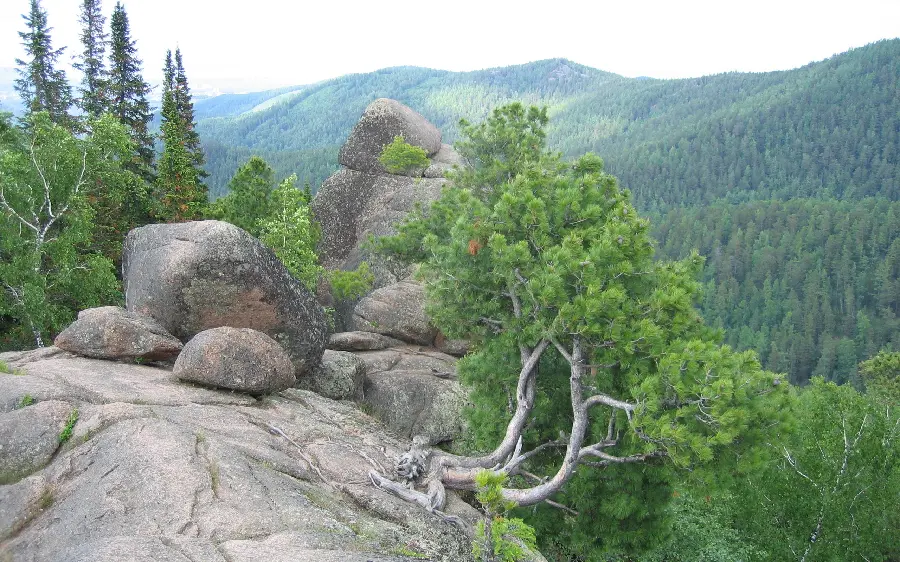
x=244, y=45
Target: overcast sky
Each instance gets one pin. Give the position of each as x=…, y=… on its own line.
x=269, y=43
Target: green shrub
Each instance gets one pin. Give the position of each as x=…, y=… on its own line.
x=499, y=538
x=400, y=157
x=70, y=424
x=349, y=285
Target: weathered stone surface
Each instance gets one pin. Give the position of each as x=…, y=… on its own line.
x=416, y=403
x=443, y=162
x=199, y=275
x=29, y=436
x=350, y=206
x=457, y=348
x=360, y=341
x=397, y=310
x=111, y=332
x=340, y=376
x=176, y=472
x=410, y=358
x=53, y=374
x=382, y=120
x=239, y=359
x=20, y=502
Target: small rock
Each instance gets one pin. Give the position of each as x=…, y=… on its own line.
x=111, y=332
x=360, y=341
x=240, y=359
x=340, y=376
x=397, y=310
x=457, y=348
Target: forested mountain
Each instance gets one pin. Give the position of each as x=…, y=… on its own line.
x=827, y=129
x=812, y=285
x=787, y=182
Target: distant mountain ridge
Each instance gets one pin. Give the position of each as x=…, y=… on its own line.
x=673, y=142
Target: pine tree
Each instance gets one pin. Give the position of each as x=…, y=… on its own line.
x=182, y=195
x=128, y=92
x=185, y=106
x=40, y=85
x=94, y=83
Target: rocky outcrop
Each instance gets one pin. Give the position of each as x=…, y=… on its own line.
x=239, y=359
x=111, y=332
x=380, y=123
x=160, y=470
x=195, y=276
x=398, y=311
x=413, y=390
x=351, y=205
x=362, y=199
x=340, y=376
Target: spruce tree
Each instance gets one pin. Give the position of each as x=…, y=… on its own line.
x=185, y=106
x=128, y=92
x=94, y=82
x=182, y=195
x=41, y=85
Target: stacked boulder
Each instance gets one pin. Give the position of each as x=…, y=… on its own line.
x=213, y=299
x=363, y=199
x=409, y=384
x=217, y=302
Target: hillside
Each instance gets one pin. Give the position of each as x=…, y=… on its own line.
x=787, y=182
x=827, y=129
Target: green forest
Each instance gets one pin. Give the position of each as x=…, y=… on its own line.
x=705, y=273
x=795, y=172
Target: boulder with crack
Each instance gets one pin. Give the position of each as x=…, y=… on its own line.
x=195, y=276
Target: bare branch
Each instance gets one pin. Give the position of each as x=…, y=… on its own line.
x=608, y=459
x=565, y=508
x=524, y=405
x=517, y=459
x=580, y=423
x=609, y=401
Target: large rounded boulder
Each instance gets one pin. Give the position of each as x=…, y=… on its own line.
x=195, y=276
x=235, y=359
x=382, y=121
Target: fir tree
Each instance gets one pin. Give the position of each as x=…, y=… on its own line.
x=182, y=195
x=185, y=106
x=128, y=92
x=94, y=82
x=41, y=85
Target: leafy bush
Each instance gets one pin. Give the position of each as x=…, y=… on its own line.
x=350, y=285
x=400, y=157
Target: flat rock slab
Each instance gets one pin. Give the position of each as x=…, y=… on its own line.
x=158, y=470
x=55, y=375
x=410, y=358
x=111, y=332
x=239, y=359
x=360, y=341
